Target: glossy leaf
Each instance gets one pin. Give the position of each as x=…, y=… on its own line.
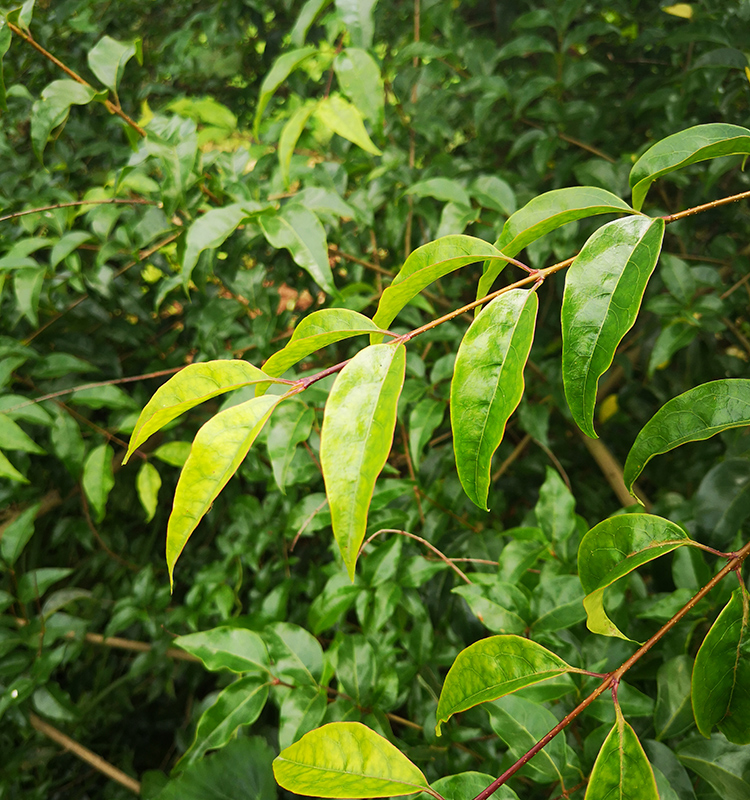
x=613, y=549
x=686, y=147
x=346, y=760
x=219, y=448
x=237, y=705
x=356, y=438
x=296, y=229
x=345, y=119
x=98, y=478
x=289, y=137
x=357, y=16
x=721, y=676
x=301, y=710
x=187, y=389
x=720, y=763
x=488, y=385
x=108, y=57
x=147, y=484
x=492, y=668
x=427, y=264
x=358, y=75
x=546, y=213
x=27, y=285
x=622, y=769
x=296, y=654
x=603, y=292
x=493, y=192
x=13, y=437
x=235, y=649
x=281, y=70
x=673, y=713
x=53, y=107
x=470, y=784
x=317, y=330
x=693, y=416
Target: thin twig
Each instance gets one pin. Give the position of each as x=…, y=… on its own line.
x=110, y=201
x=517, y=450
x=689, y=212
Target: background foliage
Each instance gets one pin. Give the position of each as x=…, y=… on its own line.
x=446, y=131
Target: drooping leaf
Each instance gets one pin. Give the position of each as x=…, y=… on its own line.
x=603, y=292
x=722, y=502
x=357, y=16
x=289, y=137
x=546, y=213
x=296, y=229
x=488, y=385
x=359, y=79
x=721, y=675
x=53, y=107
x=27, y=285
x=219, y=448
x=425, y=417
x=13, y=437
x=686, y=147
x=235, y=649
x=613, y=549
x=622, y=769
x=494, y=606
x=555, y=509
x=345, y=119
x=7, y=470
x=346, y=760
x=67, y=244
x=237, y=705
x=108, y=57
x=493, y=667
x=98, y=478
x=356, y=438
x=283, y=67
x=147, y=484
x=296, y=654
x=693, y=416
x=427, y=264
x=188, y=388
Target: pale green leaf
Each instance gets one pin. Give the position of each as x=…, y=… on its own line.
x=445, y=189
x=52, y=109
x=98, y=478
x=236, y=649
x=7, y=470
x=147, y=484
x=488, y=385
x=108, y=57
x=27, y=285
x=289, y=137
x=603, y=292
x=359, y=79
x=282, y=68
x=493, y=192
x=356, y=438
x=693, y=416
x=307, y=15
x=346, y=760
x=13, y=437
x=357, y=16
x=345, y=119
x=291, y=425
x=67, y=244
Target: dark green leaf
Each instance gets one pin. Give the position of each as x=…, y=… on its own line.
x=302, y=709
x=13, y=437
x=53, y=107
x=5, y=39
x=281, y=70
x=721, y=764
x=673, y=714
x=15, y=534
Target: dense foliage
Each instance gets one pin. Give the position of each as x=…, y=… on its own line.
x=244, y=165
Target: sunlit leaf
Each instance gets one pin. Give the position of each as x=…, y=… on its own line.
x=98, y=478
x=147, y=484
x=108, y=57
x=357, y=16
x=289, y=137
x=235, y=649
x=359, y=79
x=345, y=119
x=281, y=70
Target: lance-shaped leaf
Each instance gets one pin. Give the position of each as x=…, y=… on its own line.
x=108, y=57
x=298, y=230
x=613, y=549
x=53, y=107
x=488, y=385
x=289, y=137
x=235, y=649
x=544, y=214
x=359, y=79
x=280, y=71
x=219, y=448
x=347, y=760
x=13, y=437
x=603, y=292
x=356, y=437
x=622, y=770
x=493, y=667
x=340, y=116
x=5, y=37
x=686, y=147
x=721, y=675
x=693, y=416
x=317, y=330
x=188, y=388
x=426, y=265
x=7, y=470
x=237, y=705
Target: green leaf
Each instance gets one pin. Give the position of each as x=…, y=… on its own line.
x=13, y=437
x=622, y=769
x=212, y=229
x=673, y=337
x=693, y=416
x=317, y=330
x=445, y=189
x=219, y=448
x=427, y=264
x=14, y=535
x=5, y=39
x=98, y=478
x=188, y=388
x=493, y=667
x=281, y=70
x=488, y=385
x=173, y=453
x=296, y=654
x=721, y=764
x=493, y=192
x=298, y=230
x=470, y=784
x=27, y=285
x=555, y=509
x=147, y=484
x=307, y=15
x=603, y=292
x=289, y=137
x=494, y=606
x=346, y=760
x=345, y=119
x=291, y=425
x=108, y=57
x=424, y=419
x=613, y=549
x=53, y=107
x=359, y=79
x=235, y=649
x=32, y=585
x=356, y=438
x=7, y=470
x=546, y=213
x=686, y=147
x=721, y=676
x=301, y=710
x=673, y=714
x=237, y=705
x=357, y=16
x=62, y=249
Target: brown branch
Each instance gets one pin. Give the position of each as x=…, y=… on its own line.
x=612, y=472
x=86, y=755
x=689, y=212
x=517, y=451
x=110, y=201
x=110, y=106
